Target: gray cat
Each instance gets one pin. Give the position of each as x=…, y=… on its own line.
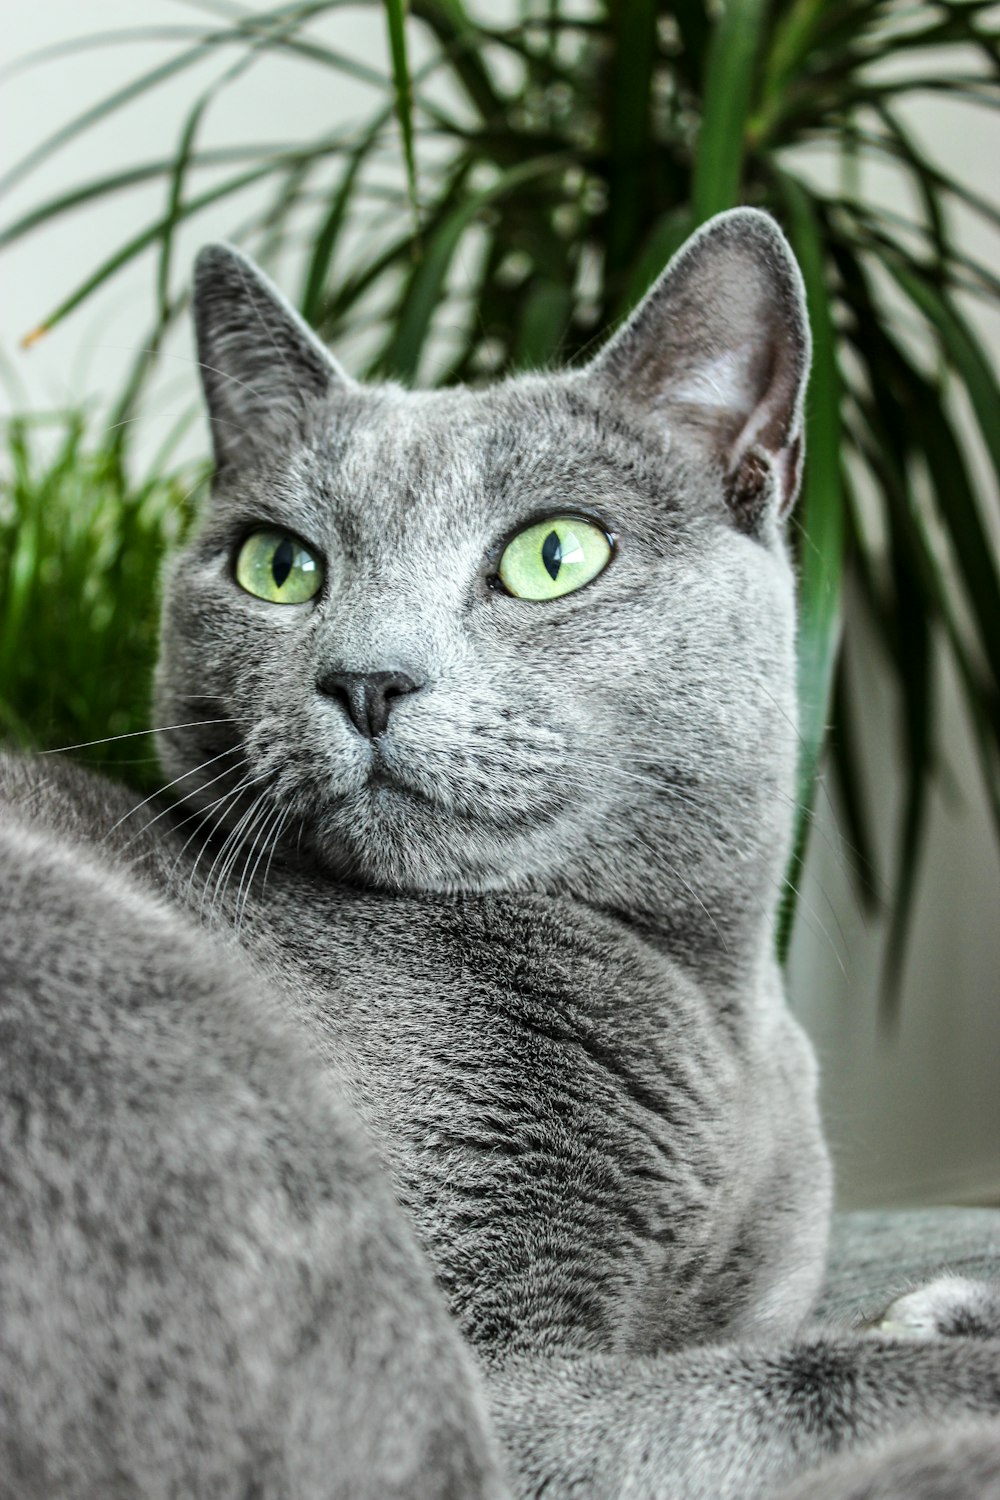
x=410, y=1107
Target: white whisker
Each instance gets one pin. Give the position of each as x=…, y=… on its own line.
x=228, y=771
x=132, y=734
x=201, y=815
x=176, y=781
x=227, y=855
x=268, y=842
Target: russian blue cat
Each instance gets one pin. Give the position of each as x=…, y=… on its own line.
x=406, y=1103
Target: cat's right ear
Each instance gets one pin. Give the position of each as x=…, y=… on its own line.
x=261, y=364
x=718, y=353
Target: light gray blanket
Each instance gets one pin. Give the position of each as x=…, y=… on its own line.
x=876, y=1256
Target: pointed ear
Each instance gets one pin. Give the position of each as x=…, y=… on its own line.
x=260, y=362
x=719, y=349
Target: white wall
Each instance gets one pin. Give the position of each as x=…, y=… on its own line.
x=281, y=100
x=913, y=1112
x=914, y=1116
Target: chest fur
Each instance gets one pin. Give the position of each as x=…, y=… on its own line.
x=572, y=1127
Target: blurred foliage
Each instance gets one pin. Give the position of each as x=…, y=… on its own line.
x=552, y=162
x=80, y=550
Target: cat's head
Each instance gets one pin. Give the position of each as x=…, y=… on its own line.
x=537, y=635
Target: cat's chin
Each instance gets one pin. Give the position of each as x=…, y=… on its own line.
x=391, y=837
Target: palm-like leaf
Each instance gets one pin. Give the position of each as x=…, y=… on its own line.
x=574, y=174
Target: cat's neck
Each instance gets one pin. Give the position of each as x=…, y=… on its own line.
x=715, y=908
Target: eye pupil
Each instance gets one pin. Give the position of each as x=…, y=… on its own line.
x=552, y=554
x=281, y=562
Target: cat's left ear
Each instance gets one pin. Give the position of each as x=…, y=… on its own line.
x=719, y=350
x=260, y=363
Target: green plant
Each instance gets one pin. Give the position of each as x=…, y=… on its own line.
x=80, y=549
x=558, y=160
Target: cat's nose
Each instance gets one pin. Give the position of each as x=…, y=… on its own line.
x=367, y=697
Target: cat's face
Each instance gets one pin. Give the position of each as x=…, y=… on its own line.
x=416, y=724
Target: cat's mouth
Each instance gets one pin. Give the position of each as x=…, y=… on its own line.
x=378, y=776
x=385, y=783
x=401, y=820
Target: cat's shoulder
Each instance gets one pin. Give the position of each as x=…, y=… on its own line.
x=85, y=815
x=53, y=795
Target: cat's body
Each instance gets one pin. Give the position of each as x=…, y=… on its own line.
x=576, y=1187
x=501, y=872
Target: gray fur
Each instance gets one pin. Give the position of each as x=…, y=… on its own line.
x=207, y=1290
x=519, y=948
x=960, y=1463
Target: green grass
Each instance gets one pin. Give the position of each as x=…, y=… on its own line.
x=80, y=552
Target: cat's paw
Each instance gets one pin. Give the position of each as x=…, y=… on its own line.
x=949, y=1306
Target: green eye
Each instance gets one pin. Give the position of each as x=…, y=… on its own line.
x=554, y=557
x=272, y=565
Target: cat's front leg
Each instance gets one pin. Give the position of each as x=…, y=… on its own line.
x=728, y=1422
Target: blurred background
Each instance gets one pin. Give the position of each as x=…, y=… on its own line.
x=486, y=189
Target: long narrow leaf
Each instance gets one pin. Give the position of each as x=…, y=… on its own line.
x=101, y=111
x=185, y=148
x=121, y=181
x=887, y=145
x=325, y=242
x=395, y=15
x=964, y=352
x=174, y=200
x=891, y=370
x=728, y=95
x=820, y=519
x=942, y=452
x=97, y=41
x=959, y=512
x=629, y=110
x=239, y=34
x=666, y=236
x=845, y=763
x=424, y=291
x=933, y=208
x=544, y=317
x=794, y=35
x=137, y=244
x=877, y=230
x=915, y=668
x=460, y=40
